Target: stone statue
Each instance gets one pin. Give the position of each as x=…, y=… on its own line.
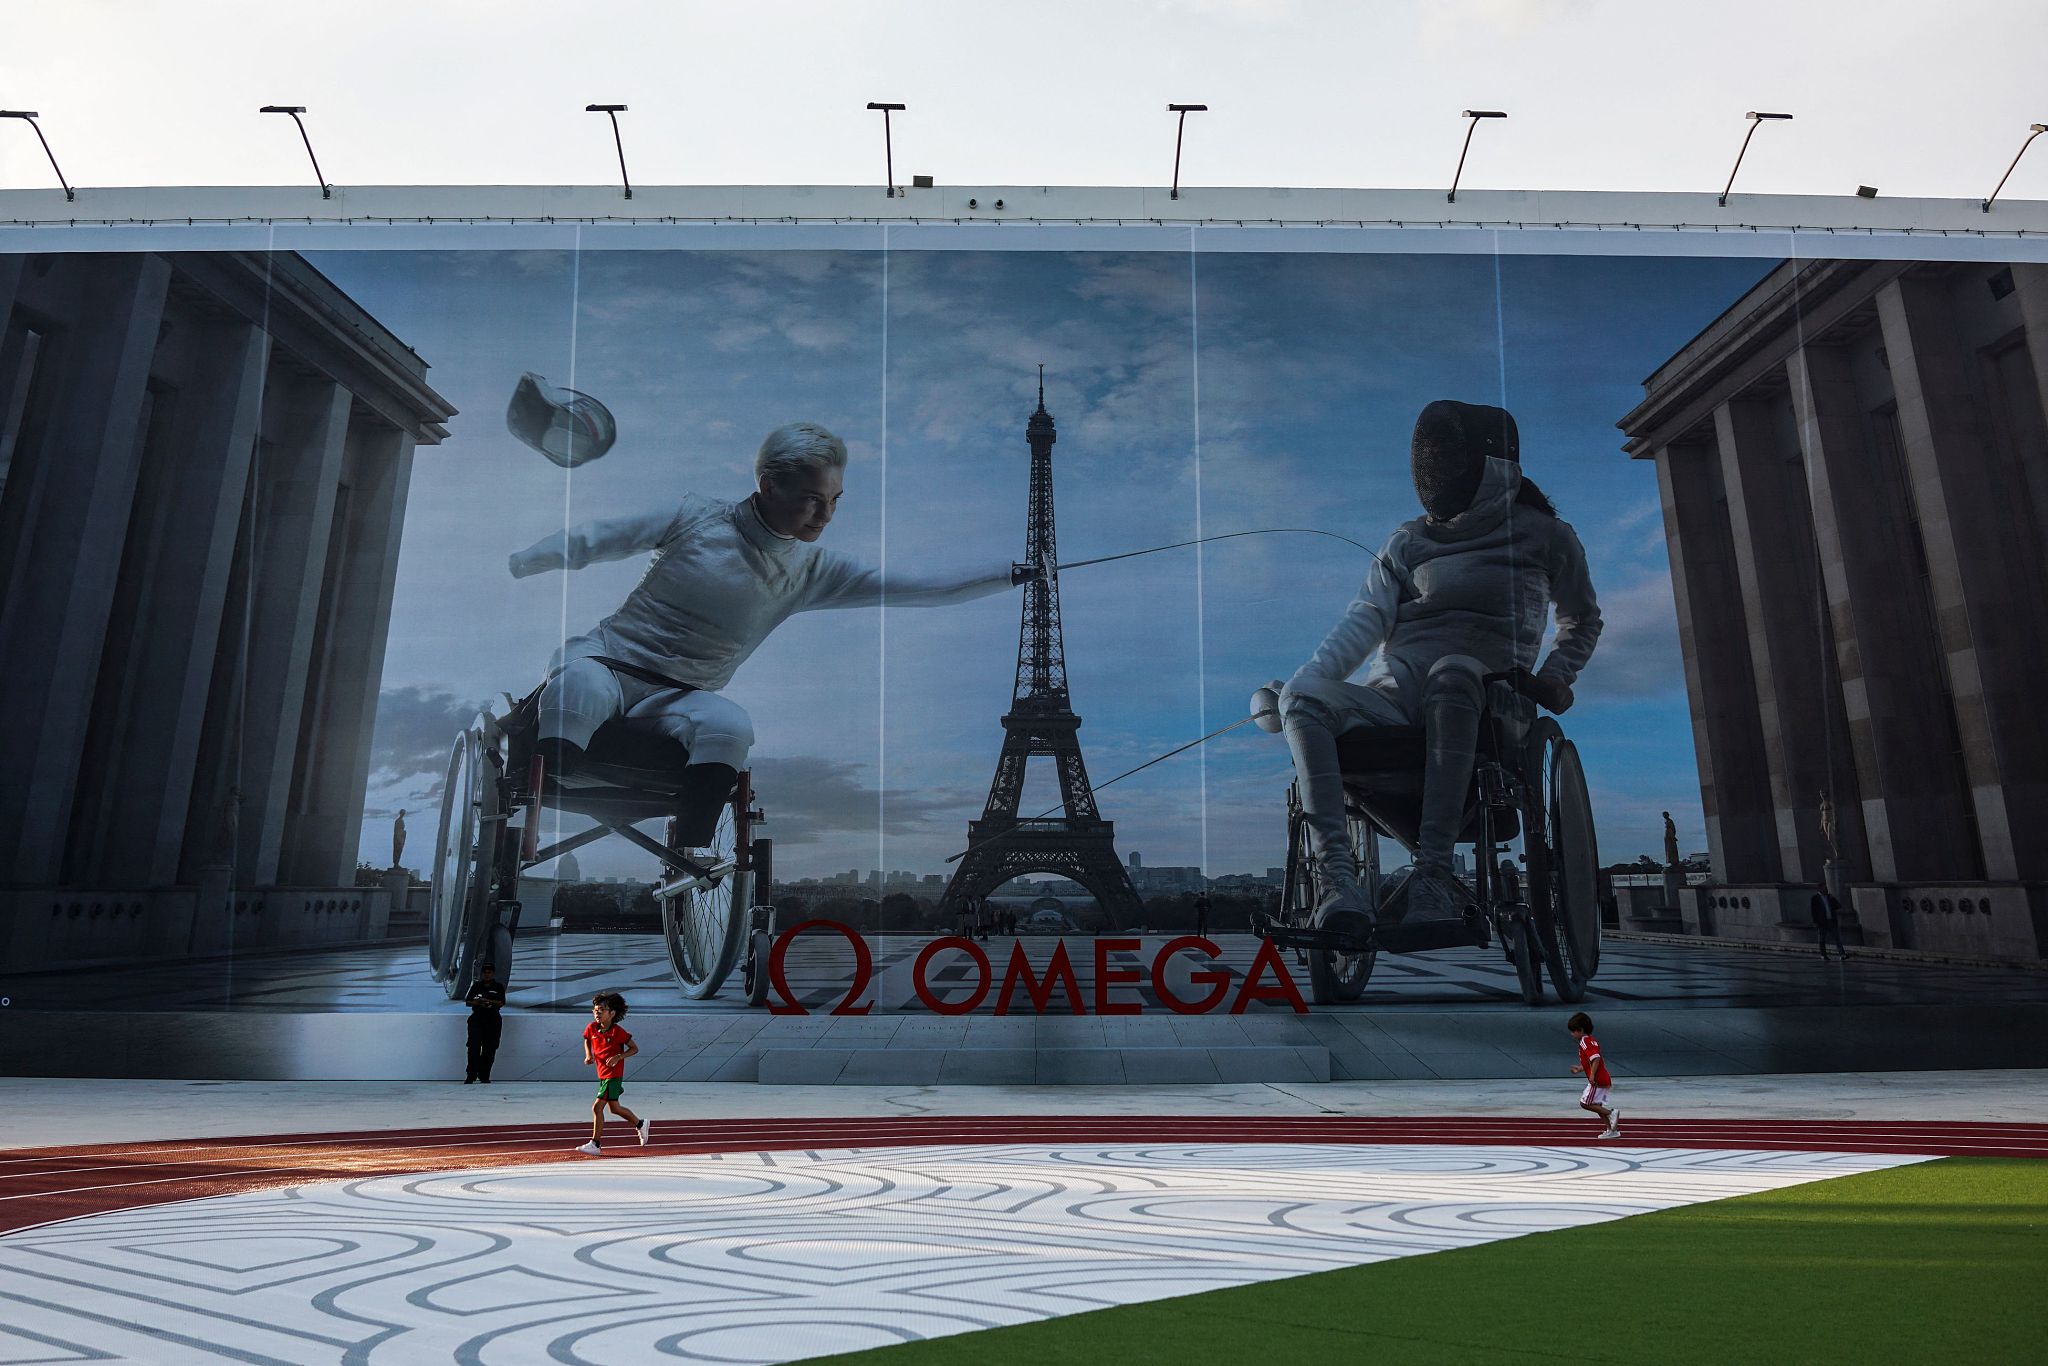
x=1827, y=826
x=1670, y=842
x=398, y=841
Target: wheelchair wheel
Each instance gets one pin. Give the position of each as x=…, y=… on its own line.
x=459, y=921
x=1564, y=891
x=703, y=927
x=1334, y=976
x=754, y=974
x=1526, y=952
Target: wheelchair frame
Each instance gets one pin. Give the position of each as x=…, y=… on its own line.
x=1554, y=929
x=481, y=850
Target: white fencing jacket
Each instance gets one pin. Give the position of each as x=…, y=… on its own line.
x=1479, y=585
x=721, y=581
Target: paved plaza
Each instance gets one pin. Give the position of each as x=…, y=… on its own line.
x=762, y=1257
x=409, y=1222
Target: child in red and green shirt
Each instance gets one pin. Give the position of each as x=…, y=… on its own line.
x=1594, y=1068
x=608, y=1045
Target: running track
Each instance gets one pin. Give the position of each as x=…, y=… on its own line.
x=43, y=1185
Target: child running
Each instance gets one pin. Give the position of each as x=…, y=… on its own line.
x=1594, y=1069
x=608, y=1045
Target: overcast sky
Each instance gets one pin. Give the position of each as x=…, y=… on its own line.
x=1912, y=97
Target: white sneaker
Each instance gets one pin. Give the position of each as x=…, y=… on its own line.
x=646, y=1128
x=591, y=1150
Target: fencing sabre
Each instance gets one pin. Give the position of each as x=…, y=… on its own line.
x=1224, y=536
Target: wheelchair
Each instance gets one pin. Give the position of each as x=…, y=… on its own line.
x=1526, y=781
x=497, y=786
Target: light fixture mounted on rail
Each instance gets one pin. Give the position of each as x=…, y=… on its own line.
x=2038, y=129
x=1475, y=115
x=1183, y=110
x=29, y=117
x=612, y=111
x=1756, y=120
x=888, y=147
x=326, y=190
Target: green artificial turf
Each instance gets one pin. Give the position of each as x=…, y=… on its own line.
x=1935, y=1262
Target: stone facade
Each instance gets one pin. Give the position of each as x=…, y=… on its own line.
x=204, y=460
x=1853, y=463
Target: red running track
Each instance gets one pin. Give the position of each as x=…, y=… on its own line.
x=42, y=1185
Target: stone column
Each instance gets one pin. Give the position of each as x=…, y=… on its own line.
x=75, y=494
x=10, y=281
x=305, y=423
x=1772, y=537
x=321, y=834
x=1905, y=773
x=2030, y=282
x=1983, y=572
x=1719, y=678
x=202, y=478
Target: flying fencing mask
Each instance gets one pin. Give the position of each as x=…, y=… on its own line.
x=567, y=427
x=1449, y=451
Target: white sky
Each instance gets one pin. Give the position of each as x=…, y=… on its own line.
x=1915, y=98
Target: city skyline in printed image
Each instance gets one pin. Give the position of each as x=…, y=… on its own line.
x=1193, y=396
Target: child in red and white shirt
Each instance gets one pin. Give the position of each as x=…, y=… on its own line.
x=608, y=1045
x=1593, y=1067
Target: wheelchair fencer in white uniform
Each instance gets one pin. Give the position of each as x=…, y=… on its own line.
x=631, y=723
x=723, y=576
x=1457, y=594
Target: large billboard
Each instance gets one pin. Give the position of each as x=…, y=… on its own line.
x=789, y=618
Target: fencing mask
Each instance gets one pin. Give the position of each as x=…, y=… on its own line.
x=567, y=427
x=1449, y=450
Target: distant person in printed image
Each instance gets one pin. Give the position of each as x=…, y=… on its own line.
x=486, y=1002
x=1827, y=922
x=1592, y=1065
x=606, y=1046
x=722, y=576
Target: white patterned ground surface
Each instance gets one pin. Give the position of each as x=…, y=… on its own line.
x=771, y=1257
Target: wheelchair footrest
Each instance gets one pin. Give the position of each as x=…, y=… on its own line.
x=1309, y=938
x=1424, y=935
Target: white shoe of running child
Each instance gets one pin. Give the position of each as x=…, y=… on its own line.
x=591, y=1150
x=646, y=1128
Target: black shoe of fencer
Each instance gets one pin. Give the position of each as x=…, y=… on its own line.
x=709, y=787
x=562, y=757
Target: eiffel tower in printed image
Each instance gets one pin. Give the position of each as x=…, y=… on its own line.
x=1078, y=843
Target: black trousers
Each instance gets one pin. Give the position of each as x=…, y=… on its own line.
x=483, y=1046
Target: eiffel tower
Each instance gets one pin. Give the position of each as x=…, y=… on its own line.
x=1078, y=844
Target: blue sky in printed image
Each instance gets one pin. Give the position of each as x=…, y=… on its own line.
x=877, y=733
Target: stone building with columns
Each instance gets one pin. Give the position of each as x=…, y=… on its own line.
x=204, y=460
x=1853, y=463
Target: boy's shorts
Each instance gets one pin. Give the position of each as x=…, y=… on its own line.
x=1593, y=1095
x=610, y=1088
